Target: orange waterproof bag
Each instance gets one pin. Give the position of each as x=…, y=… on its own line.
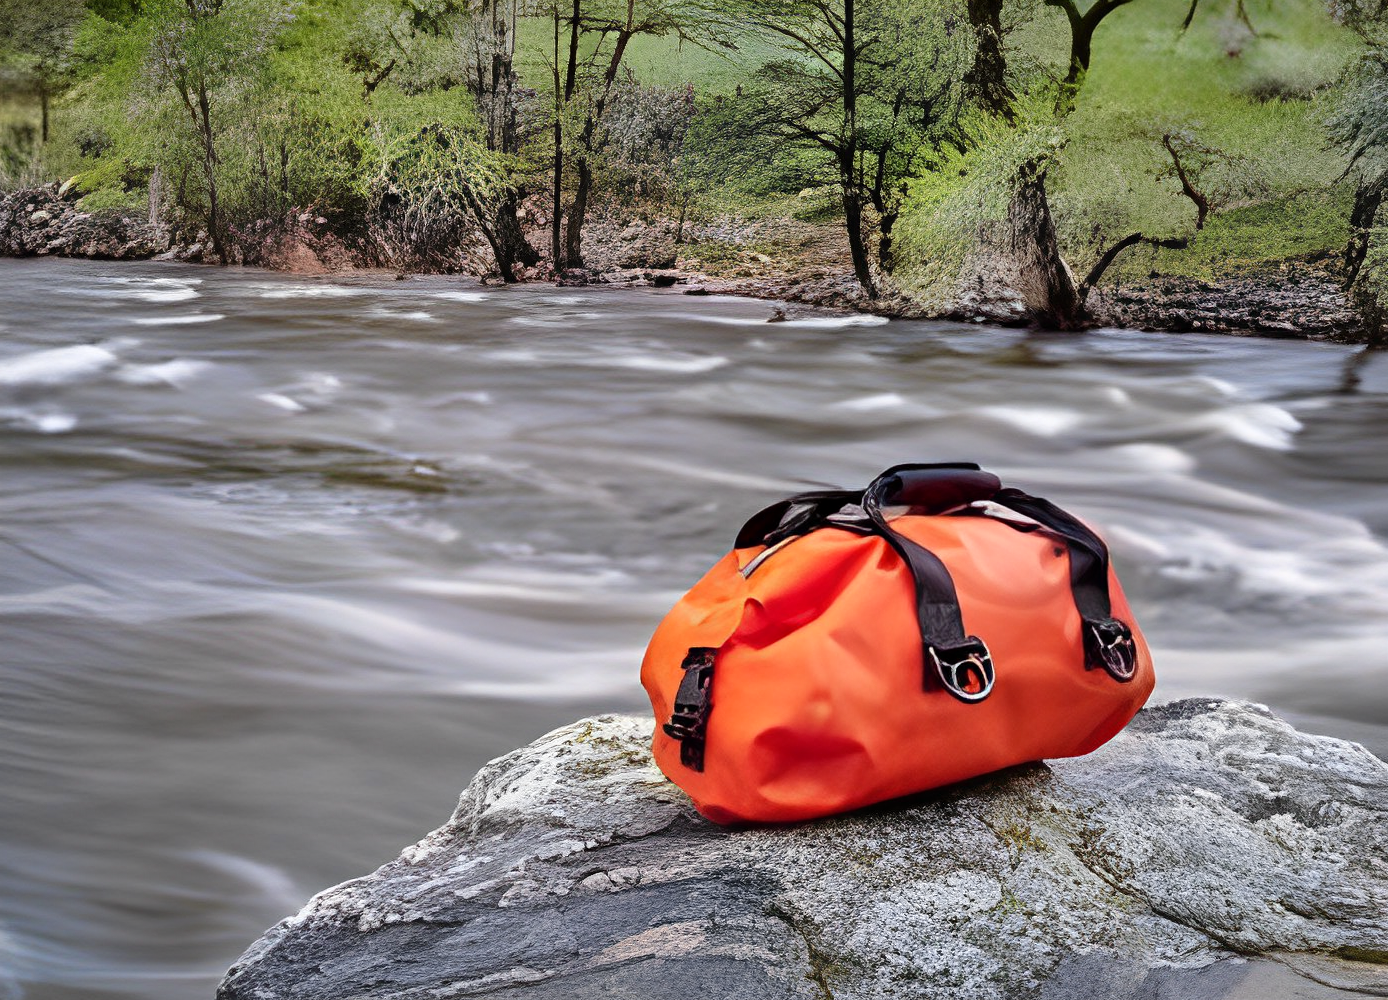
x=841, y=656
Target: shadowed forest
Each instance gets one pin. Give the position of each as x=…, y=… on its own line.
x=920, y=147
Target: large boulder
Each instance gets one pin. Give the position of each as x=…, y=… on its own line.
x=1203, y=852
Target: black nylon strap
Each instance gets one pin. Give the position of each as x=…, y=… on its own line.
x=1108, y=642
x=795, y=515
x=937, y=602
x=1088, y=553
x=960, y=662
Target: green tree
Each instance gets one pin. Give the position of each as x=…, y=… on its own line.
x=467, y=47
x=600, y=33
x=1029, y=240
x=204, y=52
x=1360, y=127
x=1208, y=177
x=36, y=41
x=1082, y=24
x=869, y=90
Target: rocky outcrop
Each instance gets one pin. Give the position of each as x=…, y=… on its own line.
x=1298, y=300
x=48, y=221
x=1204, y=852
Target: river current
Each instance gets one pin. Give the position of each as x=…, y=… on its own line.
x=283, y=560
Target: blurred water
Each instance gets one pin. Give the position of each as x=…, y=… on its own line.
x=283, y=560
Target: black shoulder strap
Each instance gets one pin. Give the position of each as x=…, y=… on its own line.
x=1088, y=553
x=927, y=489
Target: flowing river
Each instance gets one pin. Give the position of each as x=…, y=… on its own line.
x=283, y=560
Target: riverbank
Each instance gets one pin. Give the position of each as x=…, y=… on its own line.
x=772, y=258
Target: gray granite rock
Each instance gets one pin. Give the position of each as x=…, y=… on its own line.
x=1205, y=851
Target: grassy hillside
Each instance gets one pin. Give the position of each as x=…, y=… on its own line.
x=1258, y=101
x=1239, y=100
x=1253, y=100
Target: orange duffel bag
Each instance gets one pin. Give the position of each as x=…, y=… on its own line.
x=839, y=656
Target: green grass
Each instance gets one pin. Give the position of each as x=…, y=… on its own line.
x=1259, y=100
x=19, y=128
x=1276, y=176
x=1308, y=227
x=661, y=61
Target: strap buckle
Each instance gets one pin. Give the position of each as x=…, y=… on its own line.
x=1108, y=643
x=689, y=722
x=965, y=670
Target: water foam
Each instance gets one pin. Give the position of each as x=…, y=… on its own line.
x=564, y=319
x=176, y=373
x=184, y=320
x=801, y=323
x=1240, y=550
x=866, y=404
x=150, y=289
x=1261, y=425
x=1045, y=421
x=309, y=291
x=668, y=362
x=686, y=364
x=282, y=401
x=462, y=296
x=410, y=315
x=1149, y=457
x=56, y=366
x=45, y=422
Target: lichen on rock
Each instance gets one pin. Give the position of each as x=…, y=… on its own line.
x=1207, y=841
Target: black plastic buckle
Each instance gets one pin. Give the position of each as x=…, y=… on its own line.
x=689, y=721
x=1108, y=643
x=965, y=670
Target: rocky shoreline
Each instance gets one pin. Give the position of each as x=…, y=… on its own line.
x=1210, y=850
x=1299, y=300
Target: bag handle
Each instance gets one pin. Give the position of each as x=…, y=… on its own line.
x=960, y=662
x=1108, y=642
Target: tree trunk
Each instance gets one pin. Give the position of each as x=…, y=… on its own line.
x=886, y=254
x=573, y=248
x=571, y=74
x=853, y=222
x=1201, y=203
x=848, y=157
x=578, y=210
x=156, y=195
x=1372, y=306
x=1044, y=281
x=556, y=241
x=509, y=245
x=1368, y=196
x=988, y=76
x=1082, y=28
x=43, y=112
x=1081, y=43
x=209, y=170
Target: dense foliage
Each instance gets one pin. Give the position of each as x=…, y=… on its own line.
x=1360, y=127
x=1120, y=135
